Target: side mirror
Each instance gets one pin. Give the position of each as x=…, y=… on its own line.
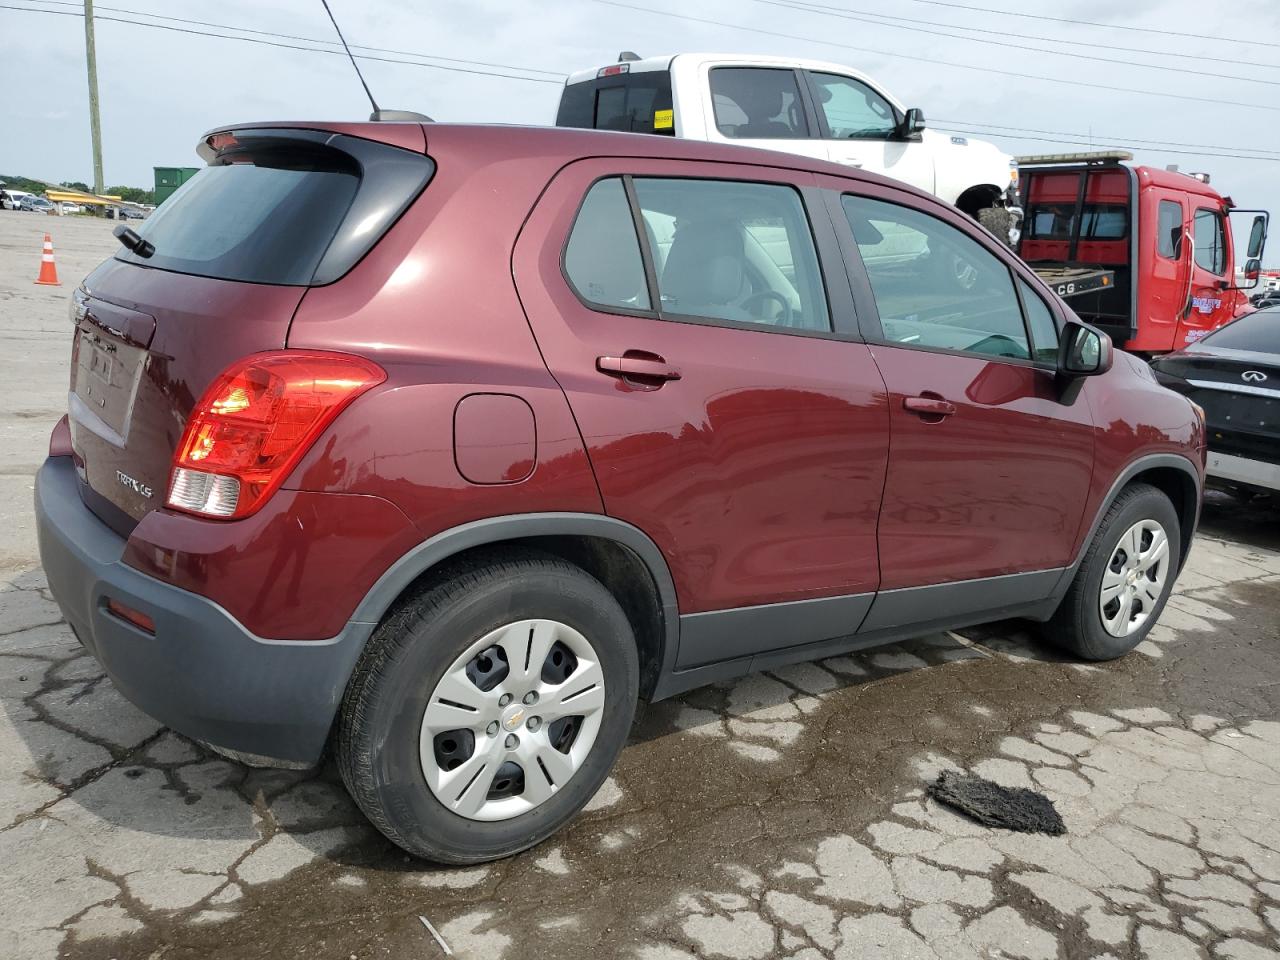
x=1252, y=273
x=1257, y=237
x=912, y=124
x=1083, y=351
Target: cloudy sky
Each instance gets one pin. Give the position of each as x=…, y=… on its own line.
x=1170, y=97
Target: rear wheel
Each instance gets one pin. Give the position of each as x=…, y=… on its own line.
x=489, y=709
x=1124, y=580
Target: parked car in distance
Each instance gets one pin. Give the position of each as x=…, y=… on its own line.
x=808, y=107
x=69, y=207
x=1234, y=374
x=12, y=199
x=1270, y=298
x=489, y=432
x=35, y=204
x=132, y=213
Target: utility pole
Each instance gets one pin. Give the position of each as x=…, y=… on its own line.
x=95, y=125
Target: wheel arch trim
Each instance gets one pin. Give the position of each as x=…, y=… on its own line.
x=498, y=530
x=1131, y=470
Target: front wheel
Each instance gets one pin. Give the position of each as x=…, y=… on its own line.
x=1124, y=580
x=487, y=711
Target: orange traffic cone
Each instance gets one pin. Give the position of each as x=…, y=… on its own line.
x=48, y=269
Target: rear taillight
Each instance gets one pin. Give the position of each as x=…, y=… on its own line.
x=255, y=422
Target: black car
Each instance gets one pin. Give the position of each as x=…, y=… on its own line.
x=1234, y=373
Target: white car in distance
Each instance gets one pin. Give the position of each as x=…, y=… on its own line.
x=806, y=107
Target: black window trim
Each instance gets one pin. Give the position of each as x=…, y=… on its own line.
x=860, y=279
x=825, y=248
x=811, y=116
x=810, y=89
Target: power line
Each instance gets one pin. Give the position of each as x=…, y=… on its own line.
x=558, y=74
x=1092, y=137
x=912, y=23
x=1110, y=88
x=1093, y=23
x=287, y=46
x=1095, y=144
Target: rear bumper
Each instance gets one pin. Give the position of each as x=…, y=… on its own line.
x=202, y=673
x=1256, y=473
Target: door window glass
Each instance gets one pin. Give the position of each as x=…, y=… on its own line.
x=1210, y=247
x=934, y=285
x=1169, y=230
x=1044, y=332
x=757, y=103
x=733, y=251
x=853, y=110
x=602, y=258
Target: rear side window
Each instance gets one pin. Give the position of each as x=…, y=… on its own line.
x=733, y=251
x=757, y=103
x=1259, y=332
x=1169, y=230
x=630, y=102
x=272, y=213
x=934, y=285
x=1210, y=247
x=602, y=258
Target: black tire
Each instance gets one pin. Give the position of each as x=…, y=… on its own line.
x=382, y=709
x=1077, y=625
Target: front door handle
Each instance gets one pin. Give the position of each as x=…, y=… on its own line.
x=929, y=407
x=651, y=368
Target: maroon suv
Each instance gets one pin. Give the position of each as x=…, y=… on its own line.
x=445, y=444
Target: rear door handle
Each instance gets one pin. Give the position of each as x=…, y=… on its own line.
x=641, y=368
x=929, y=406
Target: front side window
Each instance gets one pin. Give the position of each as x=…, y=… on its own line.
x=934, y=285
x=602, y=258
x=757, y=103
x=1044, y=332
x=1169, y=230
x=1209, y=244
x=853, y=110
x=733, y=251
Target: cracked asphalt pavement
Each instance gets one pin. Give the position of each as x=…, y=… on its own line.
x=781, y=815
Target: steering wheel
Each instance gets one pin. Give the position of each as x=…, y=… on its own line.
x=763, y=295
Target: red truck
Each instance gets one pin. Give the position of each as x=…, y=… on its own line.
x=1145, y=254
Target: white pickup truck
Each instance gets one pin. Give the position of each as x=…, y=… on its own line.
x=806, y=107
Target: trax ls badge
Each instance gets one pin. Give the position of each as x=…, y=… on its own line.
x=136, y=486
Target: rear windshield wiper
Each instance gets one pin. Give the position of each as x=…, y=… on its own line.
x=129, y=237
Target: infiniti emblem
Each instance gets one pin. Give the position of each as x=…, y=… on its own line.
x=1253, y=376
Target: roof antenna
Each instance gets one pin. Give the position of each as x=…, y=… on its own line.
x=378, y=112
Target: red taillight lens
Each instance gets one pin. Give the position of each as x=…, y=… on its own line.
x=255, y=422
x=130, y=615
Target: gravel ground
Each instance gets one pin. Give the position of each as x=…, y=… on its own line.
x=781, y=815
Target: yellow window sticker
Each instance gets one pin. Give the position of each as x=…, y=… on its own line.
x=664, y=119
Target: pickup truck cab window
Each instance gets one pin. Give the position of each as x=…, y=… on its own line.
x=934, y=286
x=757, y=103
x=1169, y=230
x=852, y=110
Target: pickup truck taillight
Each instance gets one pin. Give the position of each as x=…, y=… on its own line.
x=255, y=422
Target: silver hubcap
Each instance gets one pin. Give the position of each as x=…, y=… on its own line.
x=1134, y=578
x=512, y=720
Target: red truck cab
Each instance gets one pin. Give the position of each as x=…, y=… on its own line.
x=1165, y=236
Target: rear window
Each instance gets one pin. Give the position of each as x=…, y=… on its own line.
x=630, y=102
x=1054, y=221
x=283, y=209
x=1259, y=332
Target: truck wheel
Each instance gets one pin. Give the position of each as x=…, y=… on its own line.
x=489, y=708
x=1125, y=579
x=996, y=220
